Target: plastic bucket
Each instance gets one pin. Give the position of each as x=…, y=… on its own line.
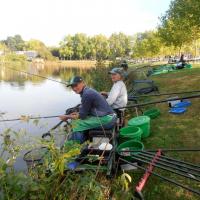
x=130, y=133
x=188, y=66
x=152, y=113
x=143, y=122
x=130, y=145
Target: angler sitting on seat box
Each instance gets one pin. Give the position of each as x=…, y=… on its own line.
x=117, y=97
x=94, y=111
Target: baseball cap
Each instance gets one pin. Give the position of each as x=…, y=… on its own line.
x=75, y=80
x=117, y=70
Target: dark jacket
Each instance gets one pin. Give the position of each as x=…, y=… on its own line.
x=93, y=104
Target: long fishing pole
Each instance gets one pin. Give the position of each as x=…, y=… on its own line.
x=163, y=94
x=28, y=118
x=162, y=177
x=151, y=152
x=170, y=166
x=160, y=101
x=25, y=72
x=140, y=159
x=67, y=112
x=179, y=161
x=163, y=150
x=160, y=158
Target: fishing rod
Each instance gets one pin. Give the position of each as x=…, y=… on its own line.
x=67, y=112
x=167, y=167
x=28, y=118
x=161, y=101
x=25, y=72
x=151, y=153
x=180, y=161
x=174, y=162
x=162, y=177
x=163, y=150
x=162, y=94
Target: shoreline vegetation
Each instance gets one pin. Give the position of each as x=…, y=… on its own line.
x=72, y=63
x=176, y=34
x=167, y=131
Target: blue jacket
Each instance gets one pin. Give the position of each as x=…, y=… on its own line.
x=93, y=104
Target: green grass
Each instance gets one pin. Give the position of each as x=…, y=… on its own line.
x=167, y=131
x=174, y=131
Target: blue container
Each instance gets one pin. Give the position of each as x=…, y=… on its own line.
x=182, y=104
x=73, y=165
x=177, y=110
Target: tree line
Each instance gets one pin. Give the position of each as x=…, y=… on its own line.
x=178, y=31
x=16, y=43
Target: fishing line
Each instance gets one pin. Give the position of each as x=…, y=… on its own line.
x=25, y=72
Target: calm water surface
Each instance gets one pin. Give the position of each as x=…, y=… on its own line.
x=21, y=94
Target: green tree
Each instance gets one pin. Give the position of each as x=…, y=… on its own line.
x=80, y=45
x=15, y=43
x=180, y=25
x=40, y=47
x=66, y=47
x=187, y=10
x=120, y=45
x=75, y=47
x=101, y=48
x=146, y=44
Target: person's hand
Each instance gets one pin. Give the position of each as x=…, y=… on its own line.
x=64, y=117
x=104, y=93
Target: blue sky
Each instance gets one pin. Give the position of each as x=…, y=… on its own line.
x=50, y=20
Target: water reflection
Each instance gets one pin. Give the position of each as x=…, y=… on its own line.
x=20, y=78
x=22, y=94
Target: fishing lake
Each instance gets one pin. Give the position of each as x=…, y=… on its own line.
x=29, y=95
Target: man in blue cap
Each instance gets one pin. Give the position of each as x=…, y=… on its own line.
x=94, y=111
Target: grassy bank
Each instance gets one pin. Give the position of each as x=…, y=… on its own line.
x=174, y=131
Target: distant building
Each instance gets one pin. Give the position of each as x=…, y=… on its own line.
x=30, y=54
